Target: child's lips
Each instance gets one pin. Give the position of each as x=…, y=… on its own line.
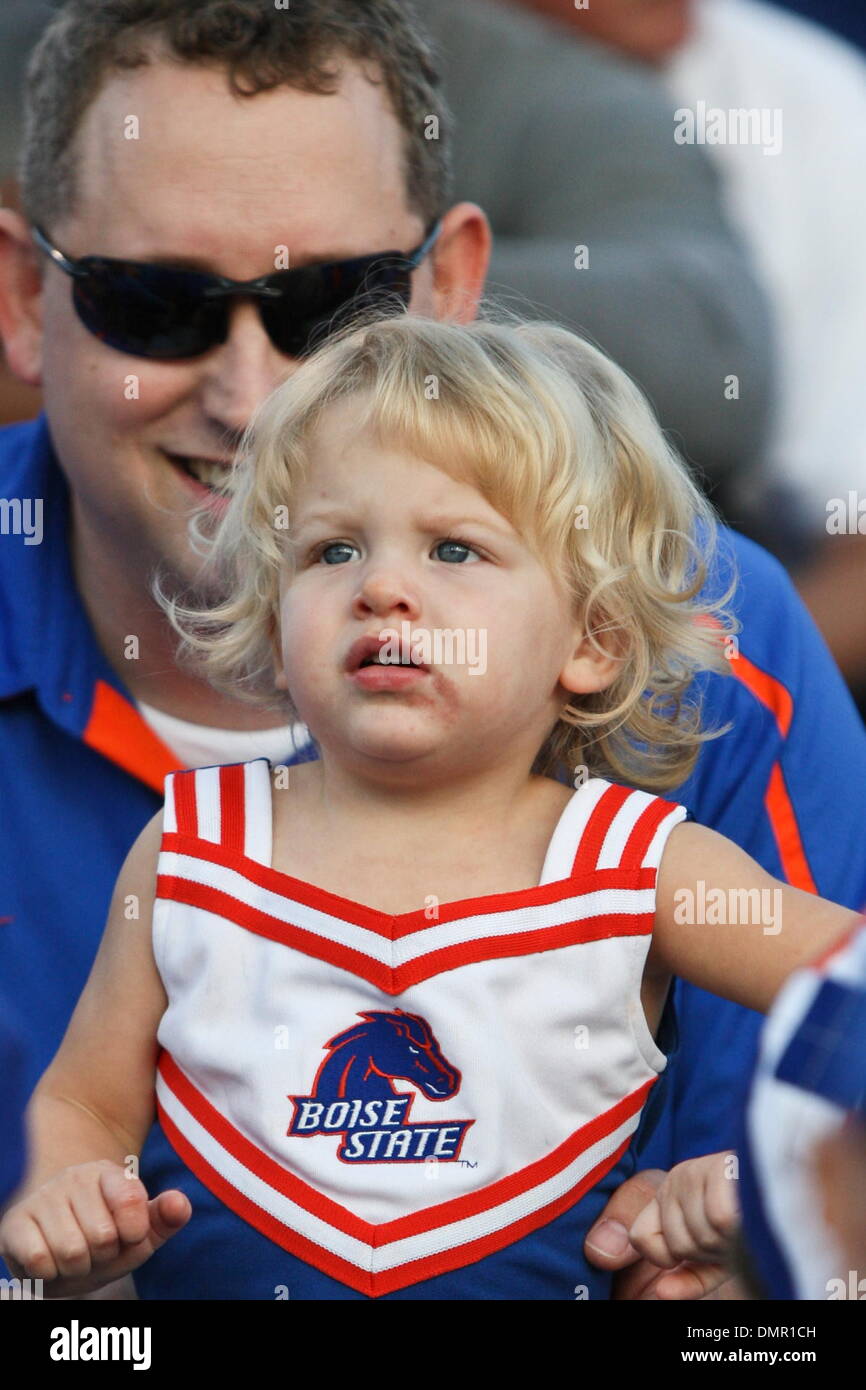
x=387, y=677
x=372, y=644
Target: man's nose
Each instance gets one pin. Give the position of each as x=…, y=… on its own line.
x=239, y=374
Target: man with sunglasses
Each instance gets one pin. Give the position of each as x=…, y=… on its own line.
x=147, y=289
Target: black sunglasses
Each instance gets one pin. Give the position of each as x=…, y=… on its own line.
x=163, y=312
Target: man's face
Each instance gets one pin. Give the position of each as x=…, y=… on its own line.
x=220, y=183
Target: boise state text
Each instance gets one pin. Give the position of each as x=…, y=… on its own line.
x=373, y=1130
x=354, y=1096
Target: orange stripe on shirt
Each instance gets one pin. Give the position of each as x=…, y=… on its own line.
x=783, y=820
x=775, y=697
x=116, y=729
x=771, y=693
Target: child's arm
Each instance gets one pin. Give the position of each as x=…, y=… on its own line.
x=755, y=930
x=691, y=1221
x=82, y=1219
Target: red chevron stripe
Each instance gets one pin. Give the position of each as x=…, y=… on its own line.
x=364, y=1281
x=395, y=979
x=394, y=926
x=377, y=1236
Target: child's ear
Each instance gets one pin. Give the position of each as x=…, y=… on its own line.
x=593, y=665
x=276, y=650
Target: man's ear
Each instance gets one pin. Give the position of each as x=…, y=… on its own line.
x=460, y=258
x=20, y=298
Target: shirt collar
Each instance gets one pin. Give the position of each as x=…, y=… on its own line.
x=48, y=645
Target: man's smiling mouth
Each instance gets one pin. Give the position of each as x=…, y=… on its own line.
x=210, y=473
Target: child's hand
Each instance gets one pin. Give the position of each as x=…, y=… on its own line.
x=692, y=1218
x=86, y=1226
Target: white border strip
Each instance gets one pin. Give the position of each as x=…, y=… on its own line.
x=378, y=1259
x=480, y=926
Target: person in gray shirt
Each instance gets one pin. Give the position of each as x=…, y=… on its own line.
x=567, y=146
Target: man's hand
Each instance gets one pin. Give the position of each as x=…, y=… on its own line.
x=608, y=1246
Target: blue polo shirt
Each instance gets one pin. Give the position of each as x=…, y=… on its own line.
x=12, y=1099
x=82, y=773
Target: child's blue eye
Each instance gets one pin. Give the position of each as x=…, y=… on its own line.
x=456, y=545
x=322, y=551
x=334, y=545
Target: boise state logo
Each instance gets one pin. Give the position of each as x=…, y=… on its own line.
x=354, y=1096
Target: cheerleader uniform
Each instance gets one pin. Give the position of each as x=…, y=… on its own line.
x=428, y=1104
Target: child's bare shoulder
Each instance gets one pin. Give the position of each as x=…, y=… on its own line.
x=145, y=848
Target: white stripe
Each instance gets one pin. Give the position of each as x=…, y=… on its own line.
x=385, y=1257
x=655, y=848
x=621, y=827
x=246, y=1182
x=169, y=815
x=580, y=907
x=559, y=860
x=506, y=1213
x=207, y=803
x=257, y=806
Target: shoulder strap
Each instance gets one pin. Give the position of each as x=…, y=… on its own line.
x=228, y=806
x=626, y=829
x=570, y=830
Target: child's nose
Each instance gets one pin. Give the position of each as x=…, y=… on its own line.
x=384, y=591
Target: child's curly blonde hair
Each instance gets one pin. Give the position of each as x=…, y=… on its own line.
x=562, y=443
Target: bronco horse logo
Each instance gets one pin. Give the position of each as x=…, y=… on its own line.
x=353, y=1094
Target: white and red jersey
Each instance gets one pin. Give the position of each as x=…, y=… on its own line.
x=392, y=1096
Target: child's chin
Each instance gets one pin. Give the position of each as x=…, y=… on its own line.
x=399, y=750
